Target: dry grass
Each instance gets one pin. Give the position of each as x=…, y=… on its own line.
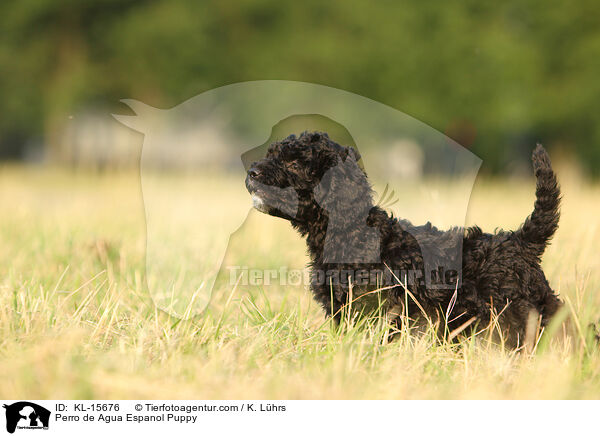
x=77, y=322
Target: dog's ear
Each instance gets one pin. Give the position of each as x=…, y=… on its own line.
x=343, y=186
x=326, y=158
x=329, y=158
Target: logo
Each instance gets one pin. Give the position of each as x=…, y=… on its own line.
x=430, y=177
x=26, y=415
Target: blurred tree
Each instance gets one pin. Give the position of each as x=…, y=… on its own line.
x=497, y=76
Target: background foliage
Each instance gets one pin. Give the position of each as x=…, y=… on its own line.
x=496, y=76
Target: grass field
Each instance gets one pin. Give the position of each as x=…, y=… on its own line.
x=77, y=322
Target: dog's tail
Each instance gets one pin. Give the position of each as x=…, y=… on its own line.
x=540, y=226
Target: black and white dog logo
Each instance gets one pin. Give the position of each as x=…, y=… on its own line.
x=26, y=415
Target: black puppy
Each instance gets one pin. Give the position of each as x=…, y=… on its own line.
x=354, y=245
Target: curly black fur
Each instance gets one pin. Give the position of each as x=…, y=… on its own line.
x=501, y=272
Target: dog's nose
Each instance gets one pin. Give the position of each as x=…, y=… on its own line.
x=253, y=173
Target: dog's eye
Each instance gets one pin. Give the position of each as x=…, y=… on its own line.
x=294, y=166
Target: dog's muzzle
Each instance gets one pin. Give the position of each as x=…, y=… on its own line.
x=258, y=203
x=252, y=186
x=271, y=199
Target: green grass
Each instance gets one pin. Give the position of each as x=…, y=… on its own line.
x=77, y=322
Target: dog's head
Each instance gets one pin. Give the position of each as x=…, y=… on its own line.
x=298, y=173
